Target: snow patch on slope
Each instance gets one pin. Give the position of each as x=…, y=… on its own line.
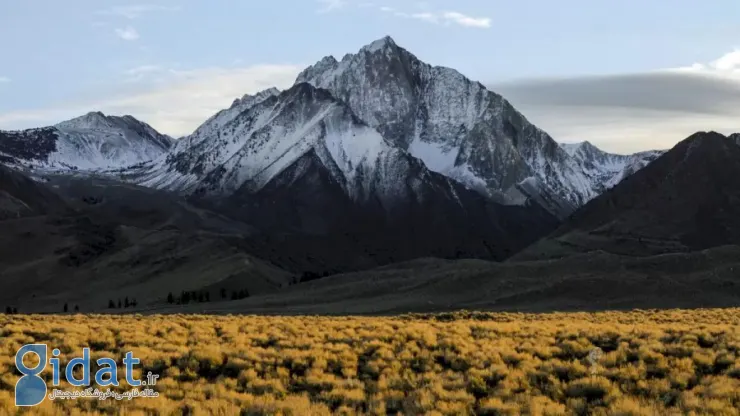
x=90, y=142
x=267, y=138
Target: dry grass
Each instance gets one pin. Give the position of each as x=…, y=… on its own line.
x=654, y=362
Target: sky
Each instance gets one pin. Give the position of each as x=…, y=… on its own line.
x=626, y=75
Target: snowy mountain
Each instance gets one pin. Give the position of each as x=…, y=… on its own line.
x=248, y=145
x=399, y=104
x=685, y=200
x=457, y=127
x=607, y=169
x=90, y=142
x=302, y=159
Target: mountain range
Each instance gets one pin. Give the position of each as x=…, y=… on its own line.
x=369, y=161
x=397, y=104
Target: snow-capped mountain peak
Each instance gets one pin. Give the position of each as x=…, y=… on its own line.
x=93, y=141
x=384, y=44
x=455, y=125
x=91, y=120
x=574, y=148
x=264, y=140
x=247, y=100
x=607, y=169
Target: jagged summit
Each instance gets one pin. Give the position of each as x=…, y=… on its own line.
x=304, y=159
x=573, y=148
x=456, y=126
x=248, y=99
x=384, y=43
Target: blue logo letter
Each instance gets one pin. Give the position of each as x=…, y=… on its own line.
x=130, y=361
x=85, y=363
x=30, y=390
x=111, y=370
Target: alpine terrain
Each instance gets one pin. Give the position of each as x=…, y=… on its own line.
x=460, y=129
x=90, y=142
x=301, y=161
x=686, y=200
x=374, y=184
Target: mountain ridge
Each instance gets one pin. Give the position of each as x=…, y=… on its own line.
x=685, y=200
x=89, y=142
x=456, y=126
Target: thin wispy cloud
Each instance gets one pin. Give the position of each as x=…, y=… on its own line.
x=424, y=13
x=135, y=11
x=464, y=20
x=441, y=17
x=173, y=101
x=142, y=70
x=127, y=33
x=327, y=6
x=4, y=80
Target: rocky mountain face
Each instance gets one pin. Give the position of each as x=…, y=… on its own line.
x=457, y=127
x=608, y=169
x=687, y=199
x=302, y=162
x=381, y=151
x=90, y=142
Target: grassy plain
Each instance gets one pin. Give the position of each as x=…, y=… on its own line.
x=652, y=362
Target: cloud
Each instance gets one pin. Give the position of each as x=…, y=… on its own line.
x=127, y=33
x=445, y=18
x=4, y=80
x=173, y=101
x=729, y=63
x=632, y=112
x=331, y=5
x=662, y=91
x=140, y=72
x=440, y=17
x=463, y=20
x=135, y=11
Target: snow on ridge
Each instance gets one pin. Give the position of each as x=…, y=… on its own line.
x=379, y=45
x=572, y=148
x=454, y=126
x=263, y=140
x=91, y=142
x=266, y=139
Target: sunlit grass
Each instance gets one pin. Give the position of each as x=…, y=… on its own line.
x=653, y=362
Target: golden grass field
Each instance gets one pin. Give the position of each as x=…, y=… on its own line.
x=654, y=362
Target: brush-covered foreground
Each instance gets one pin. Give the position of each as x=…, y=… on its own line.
x=653, y=362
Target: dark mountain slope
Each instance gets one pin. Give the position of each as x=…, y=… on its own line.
x=302, y=165
x=116, y=240
x=687, y=199
x=21, y=196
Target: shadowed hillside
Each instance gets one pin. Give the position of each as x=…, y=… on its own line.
x=688, y=199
